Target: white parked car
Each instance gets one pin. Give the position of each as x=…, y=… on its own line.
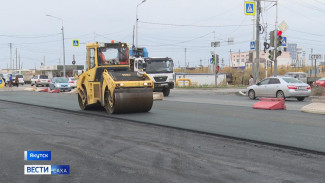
x=40, y=80
x=280, y=87
x=20, y=78
x=73, y=82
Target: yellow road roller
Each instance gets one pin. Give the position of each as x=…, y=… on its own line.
x=108, y=81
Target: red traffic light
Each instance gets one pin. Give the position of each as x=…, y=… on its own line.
x=279, y=33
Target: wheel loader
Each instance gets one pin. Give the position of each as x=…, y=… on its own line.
x=108, y=81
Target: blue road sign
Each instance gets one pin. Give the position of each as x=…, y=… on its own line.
x=75, y=43
x=284, y=41
x=252, y=45
x=249, y=8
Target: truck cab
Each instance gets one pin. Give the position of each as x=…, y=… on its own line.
x=161, y=71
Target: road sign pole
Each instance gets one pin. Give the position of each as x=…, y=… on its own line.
x=275, y=41
x=257, y=42
x=315, y=70
x=215, y=62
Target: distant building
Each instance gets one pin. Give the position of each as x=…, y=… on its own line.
x=241, y=59
x=57, y=70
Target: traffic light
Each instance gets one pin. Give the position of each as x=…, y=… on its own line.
x=214, y=61
x=251, y=57
x=272, y=38
x=266, y=46
x=279, y=39
x=271, y=54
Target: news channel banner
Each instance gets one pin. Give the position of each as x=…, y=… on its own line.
x=43, y=169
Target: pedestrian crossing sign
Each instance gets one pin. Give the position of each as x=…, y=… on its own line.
x=249, y=8
x=75, y=43
x=252, y=45
x=284, y=41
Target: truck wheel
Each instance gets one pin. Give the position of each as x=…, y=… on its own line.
x=109, y=102
x=166, y=92
x=82, y=100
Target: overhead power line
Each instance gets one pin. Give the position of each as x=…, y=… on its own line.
x=185, y=41
x=29, y=36
x=187, y=25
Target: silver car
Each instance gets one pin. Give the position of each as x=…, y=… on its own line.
x=60, y=83
x=280, y=87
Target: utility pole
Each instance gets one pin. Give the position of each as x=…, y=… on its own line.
x=133, y=38
x=230, y=58
x=215, y=61
x=44, y=60
x=63, y=50
x=311, y=52
x=257, y=42
x=16, y=59
x=19, y=63
x=315, y=69
x=267, y=62
x=275, y=41
x=11, y=63
x=185, y=61
x=137, y=22
x=253, y=61
x=62, y=42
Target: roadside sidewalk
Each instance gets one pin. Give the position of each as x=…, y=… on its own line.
x=225, y=91
x=14, y=88
x=317, y=106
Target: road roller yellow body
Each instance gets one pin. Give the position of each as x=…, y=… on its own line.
x=108, y=81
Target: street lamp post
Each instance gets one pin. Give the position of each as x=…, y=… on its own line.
x=136, y=24
x=62, y=42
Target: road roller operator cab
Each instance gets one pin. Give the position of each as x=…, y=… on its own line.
x=109, y=82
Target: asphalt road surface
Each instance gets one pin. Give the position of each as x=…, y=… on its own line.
x=210, y=112
x=101, y=149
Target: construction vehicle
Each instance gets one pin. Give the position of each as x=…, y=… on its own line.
x=138, y=52
x=108, y=81
x=159, y=69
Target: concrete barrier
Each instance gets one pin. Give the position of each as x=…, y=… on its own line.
x=158, y=96
x=317, y=106
x=270, y=104
x=183, y=79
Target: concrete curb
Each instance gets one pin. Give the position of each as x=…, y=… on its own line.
x=243, y=93
x=316, y=107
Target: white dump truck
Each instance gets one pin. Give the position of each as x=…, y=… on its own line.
x=161, y=70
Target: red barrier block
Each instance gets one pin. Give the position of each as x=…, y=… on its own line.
x=55, y=91
x=44, y=90
x=270, y=104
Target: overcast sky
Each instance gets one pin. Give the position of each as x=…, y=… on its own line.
x=164, y=27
